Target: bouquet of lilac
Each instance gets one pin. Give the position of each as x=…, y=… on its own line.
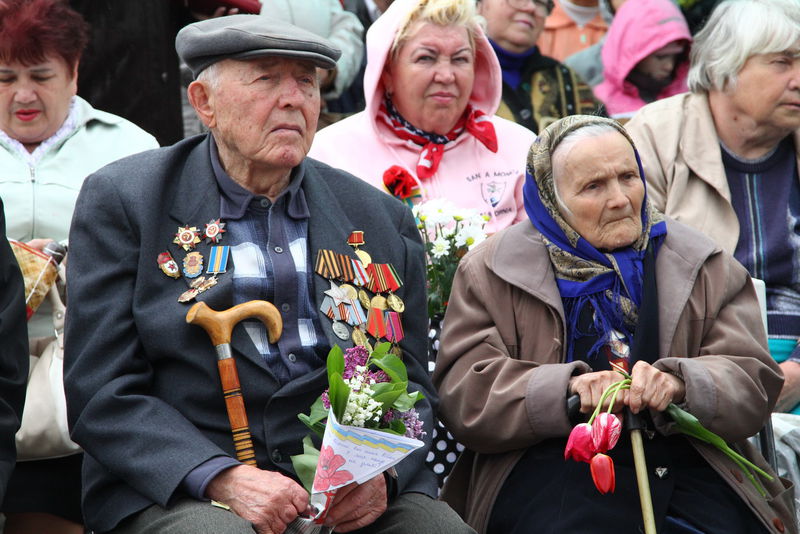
x=366, y=391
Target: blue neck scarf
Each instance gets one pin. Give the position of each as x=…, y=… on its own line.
x=609, y=282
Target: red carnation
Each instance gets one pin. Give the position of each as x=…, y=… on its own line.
x=399, y=182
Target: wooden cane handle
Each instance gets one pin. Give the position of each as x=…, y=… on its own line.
x=240, y=428
x=219, y=324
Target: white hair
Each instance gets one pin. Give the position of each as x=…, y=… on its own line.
x=736, y=31
x=560, y=153
x=210, y=75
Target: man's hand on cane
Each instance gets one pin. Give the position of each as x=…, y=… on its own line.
x=267, y=499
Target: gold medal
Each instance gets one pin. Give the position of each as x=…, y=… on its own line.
x=359, y=337
x=349, y=291
x=363, y=297
x=365, y=258
x=395, y=303
x=378, y=302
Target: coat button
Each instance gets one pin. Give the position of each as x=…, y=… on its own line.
x=279, y=250
x=286, y=307
x=778, y=525
x=737, y=475
x=276, y=455
x=292, y=357
x=265, y=203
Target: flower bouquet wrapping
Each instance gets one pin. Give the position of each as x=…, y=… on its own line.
x=448, y=233
x=366, y=419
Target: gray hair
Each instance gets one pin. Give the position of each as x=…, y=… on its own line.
x=210, y=75
x=737, y=30
x=562, y=149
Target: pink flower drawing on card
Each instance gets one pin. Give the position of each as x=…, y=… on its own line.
x=328, y=473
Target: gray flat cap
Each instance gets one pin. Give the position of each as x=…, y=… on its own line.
x=206, y=42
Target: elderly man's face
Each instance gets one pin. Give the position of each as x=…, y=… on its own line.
x=264, y=111
x=767, y=91
x=599, y=184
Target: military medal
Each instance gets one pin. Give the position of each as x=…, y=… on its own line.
x=349, y=291
x=187, y=237
x=355, y=240
x=359, y=337
x=363, y=297
x=214, y=231
x=168, y=265
x=218, y=259
x=395, y=303
x=188, y=295
x=341, y=331
x=193, y=265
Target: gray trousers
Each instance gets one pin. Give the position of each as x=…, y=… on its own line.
x=410, y=513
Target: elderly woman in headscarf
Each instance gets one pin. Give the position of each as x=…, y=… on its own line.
x=541, y=310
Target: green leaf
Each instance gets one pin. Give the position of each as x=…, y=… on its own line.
x=396, y=426
x=338, y=394
x=393, y=366
x=305, y=465
x=407, y=401
x=380, y=349
x=316, y=419
x=387, y=393
x=335, y=362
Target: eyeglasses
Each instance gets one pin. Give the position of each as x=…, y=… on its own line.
x=540, y=7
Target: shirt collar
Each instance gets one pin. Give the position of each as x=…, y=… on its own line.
x=235, y=199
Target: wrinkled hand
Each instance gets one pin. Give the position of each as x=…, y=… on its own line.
x=790, y=394
x=267, y=499
x=653, y=389
x=356, y=506
x=590, y=387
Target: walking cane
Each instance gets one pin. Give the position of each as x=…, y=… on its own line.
x=633, y=423
x=219, y=325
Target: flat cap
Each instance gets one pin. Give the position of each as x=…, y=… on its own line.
x=204, y=43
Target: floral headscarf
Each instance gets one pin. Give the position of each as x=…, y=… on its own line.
x=611, y=282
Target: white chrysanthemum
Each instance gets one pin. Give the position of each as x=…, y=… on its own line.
x=441, y=247
x=470, y=235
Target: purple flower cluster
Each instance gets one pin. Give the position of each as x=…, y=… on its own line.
x=354, y=357
x=410, y=419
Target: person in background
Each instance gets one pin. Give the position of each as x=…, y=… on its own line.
x=327, y=19
x=367, y=11
x=645, y=56
x=537, y=90
x=572, y=26
x=541, y=310
x=433, y=84
x=50, y=140
x=588, y=63
x=724, y=158
x=13, y=356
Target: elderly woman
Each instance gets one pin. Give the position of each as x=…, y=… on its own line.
x=724, y=157
x=539, y=311
x=432, y=85
x=50, y=140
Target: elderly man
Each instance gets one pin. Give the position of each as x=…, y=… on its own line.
x=143, y=386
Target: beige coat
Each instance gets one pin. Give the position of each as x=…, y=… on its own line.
x=503, y=383
x=682, y=160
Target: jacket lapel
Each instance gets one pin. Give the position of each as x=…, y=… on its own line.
x=328, y=228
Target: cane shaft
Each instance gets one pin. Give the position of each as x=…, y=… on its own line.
x=240, y=428
x=640, y=464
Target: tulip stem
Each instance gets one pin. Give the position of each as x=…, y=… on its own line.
x=640, y=464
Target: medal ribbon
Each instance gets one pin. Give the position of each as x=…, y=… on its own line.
x=377, y=281
x=345, y=267
x=327, y=264
x=393, y=282
x=357, y=315
x=356, y=238
x=394, y=327
x=375, y=323
x=360, y=277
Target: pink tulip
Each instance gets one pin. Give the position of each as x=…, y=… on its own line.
x=602, y=468
x=606, y=430
x=580, y=446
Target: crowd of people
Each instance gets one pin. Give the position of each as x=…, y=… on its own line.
x=635, y=161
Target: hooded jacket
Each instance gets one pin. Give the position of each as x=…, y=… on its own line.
x=639, y=29
x=469, y=175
